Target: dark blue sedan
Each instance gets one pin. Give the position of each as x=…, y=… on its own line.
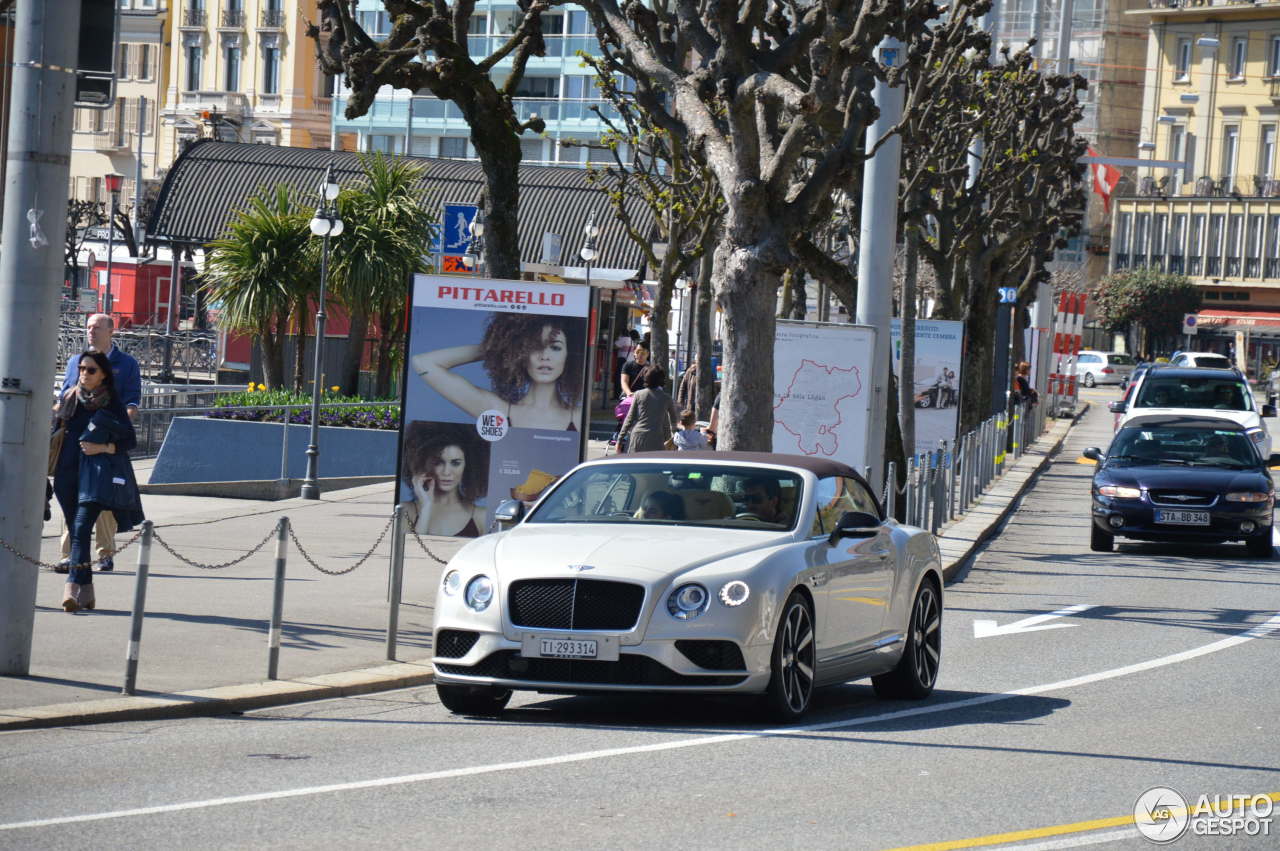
x=1182, y=479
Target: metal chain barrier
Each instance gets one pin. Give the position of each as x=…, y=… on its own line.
x=430, y=554
x=171, y=551
x=307, y=556
x=55, y=566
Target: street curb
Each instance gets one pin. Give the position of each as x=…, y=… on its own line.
x=223, y=700
x=243, y=698
x=957, y=549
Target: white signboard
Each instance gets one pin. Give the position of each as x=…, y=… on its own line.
x=822, y=390
x=939, y=343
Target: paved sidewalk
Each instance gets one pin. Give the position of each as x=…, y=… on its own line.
x=204, y=641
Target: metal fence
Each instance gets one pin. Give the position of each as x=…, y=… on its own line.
x=941, y=485
x=194, y=353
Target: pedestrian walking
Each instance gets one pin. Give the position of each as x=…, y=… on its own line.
x=653, y=415
x=687, y=438
x=631, y=370
x=1022, y=389
x=92, y=474
x=687, y=395
x=623, y=347
x=127, y=377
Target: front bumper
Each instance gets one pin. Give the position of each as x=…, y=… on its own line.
x=1139, y=522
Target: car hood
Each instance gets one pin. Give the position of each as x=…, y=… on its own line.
x=619, y=551
x=1248, y=419
x=1165, y=476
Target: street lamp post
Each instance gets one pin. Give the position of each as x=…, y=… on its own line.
x=114, y=182
x=588, y=250
x=687, y=289
x=325, y=223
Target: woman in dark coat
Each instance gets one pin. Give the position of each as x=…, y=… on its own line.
x=653, y=415
x=92, y=473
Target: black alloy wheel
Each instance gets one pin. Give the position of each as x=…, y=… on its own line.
x=484, y=701
x=1100, y=541
x=917, y=671
x=1088, y=379
x=793, y=662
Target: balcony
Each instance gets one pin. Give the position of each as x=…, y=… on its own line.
x=1206, y=186
x=227, y=104
x=232, y=19
x=272, y=19
x=192, y=19
x=113, y=140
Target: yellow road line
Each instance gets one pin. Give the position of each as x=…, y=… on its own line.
x=1041, y=832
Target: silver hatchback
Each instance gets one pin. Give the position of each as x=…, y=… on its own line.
x=1094, y=367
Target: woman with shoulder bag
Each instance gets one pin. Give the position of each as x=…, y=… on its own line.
x=92, y=473
x=653, y=415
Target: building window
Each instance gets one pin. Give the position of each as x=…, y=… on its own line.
x=1213, y=257
x=1176, y=237
x=1230, y=147
x=453, y=148
x=1141, y=231
x=1195, y=245
x=1235, y=224
x=1253, y=248
x=384, y=143
x=122, y=63
x=375, y=24
x=1182, y=72
x=1159, y=232
x=270, y=70
x=531, y=150
x=1271, y=268
x=195, y=56
x=231, y=56
x=1177, y=151
x=144, y=62
x=1239, y=53
x=1267, y=151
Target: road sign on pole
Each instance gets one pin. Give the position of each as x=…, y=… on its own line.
x=1189, y=323
x=457, y=227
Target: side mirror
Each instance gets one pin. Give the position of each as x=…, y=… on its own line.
x=1268, y=410
x=1118, y=407
x=1274, y=460
x=854, y=524
x=509, y=512
x=1093, y=453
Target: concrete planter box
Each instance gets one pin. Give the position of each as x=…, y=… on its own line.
x=199, y=449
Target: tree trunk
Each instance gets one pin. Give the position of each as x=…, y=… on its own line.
x=354, y=355
x=895, y=449
x=907, y=384
x=747, y=288
x=978, y=364
x=273, y=355
x=300, y=349
x=498, y=149
x=660, y=326
x=391, y=336
x=705, y=343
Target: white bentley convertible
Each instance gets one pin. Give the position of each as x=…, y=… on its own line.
x=692, y=572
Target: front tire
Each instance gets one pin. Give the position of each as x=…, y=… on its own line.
x=1088, y=379
x=1260, y=546
x=917, y=671
x=1100, y=541
x=473, y=700
x=793, y=662
x=925, y=402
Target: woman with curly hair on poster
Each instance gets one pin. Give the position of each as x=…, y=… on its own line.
x=534, y=365
x=447, y=466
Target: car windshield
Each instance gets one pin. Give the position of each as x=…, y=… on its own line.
x=1221, y=394
x=1120, y=360
x=1193, y=446
x=674, y=494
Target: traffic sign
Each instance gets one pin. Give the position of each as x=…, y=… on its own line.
x=1008, y=295
x=457, y=227
x=1189, y=323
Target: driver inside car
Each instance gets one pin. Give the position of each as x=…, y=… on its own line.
x=763, y=498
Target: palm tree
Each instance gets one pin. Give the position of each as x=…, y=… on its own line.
x=261, y=271
x=385, y=242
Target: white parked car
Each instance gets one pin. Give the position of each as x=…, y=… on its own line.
x=706, y=572
x=1212, y=360
x=1094, y=367
x=1198, y=391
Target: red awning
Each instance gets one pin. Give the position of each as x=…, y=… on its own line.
x=1216, y=316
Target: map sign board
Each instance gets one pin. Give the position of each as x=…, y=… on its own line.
x=939, y=344
x=822, y=390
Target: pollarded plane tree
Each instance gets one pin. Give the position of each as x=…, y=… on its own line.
x=775, y=99
x=681, y=195
x=427, y=49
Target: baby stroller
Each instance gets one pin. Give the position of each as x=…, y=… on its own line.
x=618, y=443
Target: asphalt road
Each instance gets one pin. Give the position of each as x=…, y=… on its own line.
x=1162, y=674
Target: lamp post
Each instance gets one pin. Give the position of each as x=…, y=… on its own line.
x=325, y=223
x=588, y=250
x=687, y=289
x=114, y=182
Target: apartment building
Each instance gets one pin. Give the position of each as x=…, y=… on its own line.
x=123, y=138
x=1212, y=106
x=556, y=87
x=244, y=70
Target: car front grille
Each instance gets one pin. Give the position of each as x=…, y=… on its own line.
x=455, y=643
x=631, y=669
x=1183, y=498
x=712, y=655
x=575, y=604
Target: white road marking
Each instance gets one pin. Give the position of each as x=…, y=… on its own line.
x=1035, y=623
x=1076, y=841
x=1260, y=631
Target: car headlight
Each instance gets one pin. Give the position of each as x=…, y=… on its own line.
x=479, y=593
x=1258, y=436
x=452, y=583
x=735, y=593
x=688, y=601
x=1120, y=491
x=1248, y=496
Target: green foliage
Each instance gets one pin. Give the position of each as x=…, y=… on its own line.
x=262, y=405
x=1145, y=297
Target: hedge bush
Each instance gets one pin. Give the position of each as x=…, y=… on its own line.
x=259, y=405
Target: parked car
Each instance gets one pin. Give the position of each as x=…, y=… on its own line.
x=692, y=572
x=1211, y=360
x=1094, y=367
x=1182, y=478
x=936, y=396
x=1198, y=391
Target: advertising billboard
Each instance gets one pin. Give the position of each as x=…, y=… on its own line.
x=939, y=346
x=494, y=398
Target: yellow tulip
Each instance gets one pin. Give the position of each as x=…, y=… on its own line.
x=334, y=388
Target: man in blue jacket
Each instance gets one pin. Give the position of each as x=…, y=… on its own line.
x=128, y=383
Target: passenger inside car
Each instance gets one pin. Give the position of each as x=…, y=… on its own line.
x=661, y=505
